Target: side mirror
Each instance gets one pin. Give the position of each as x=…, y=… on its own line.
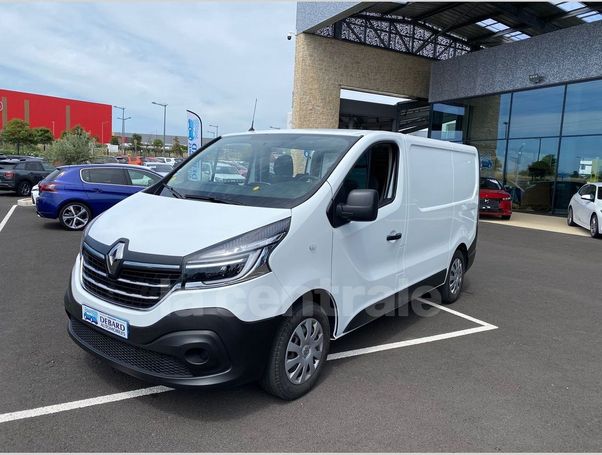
x=362, y=205
x=588, y=197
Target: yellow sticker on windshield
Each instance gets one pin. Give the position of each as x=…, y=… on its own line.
x=255, y=188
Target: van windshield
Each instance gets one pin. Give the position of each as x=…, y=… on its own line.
x=262, y=170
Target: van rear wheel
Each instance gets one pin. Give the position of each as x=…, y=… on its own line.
x=452, y=288
x=298, y=354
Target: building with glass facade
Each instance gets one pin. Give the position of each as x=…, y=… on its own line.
x=520, y=81
x=542, y=143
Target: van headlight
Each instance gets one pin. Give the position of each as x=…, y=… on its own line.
x=238, y=259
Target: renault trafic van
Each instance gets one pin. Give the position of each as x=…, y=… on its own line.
x=198, y=281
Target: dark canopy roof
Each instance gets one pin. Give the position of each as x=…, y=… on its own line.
x=468, y=26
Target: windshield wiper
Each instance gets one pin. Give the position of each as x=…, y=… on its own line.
x=213, y=199
x=174, y=191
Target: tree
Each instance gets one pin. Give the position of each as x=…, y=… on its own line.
x=77, y=130
x=157, y=145
x=114, y=140
x=18, y=133
x=72, y=147
x=137, y=141
x=43, y=136
x=176, y=147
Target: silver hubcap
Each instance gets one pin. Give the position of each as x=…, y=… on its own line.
x=75, y=216
x=456, y=274
x=304, y=351
x=594, y=226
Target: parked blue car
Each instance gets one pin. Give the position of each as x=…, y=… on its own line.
x=76, y=194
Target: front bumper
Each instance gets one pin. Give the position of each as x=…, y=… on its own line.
x=187, y=348
x=496, y=207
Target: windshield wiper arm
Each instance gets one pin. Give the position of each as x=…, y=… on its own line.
x=174, y=191
x=214, y=199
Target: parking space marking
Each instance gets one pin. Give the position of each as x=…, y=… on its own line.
x=7, y=217
x=483, y=327
x=28, y=414
x=53, y=409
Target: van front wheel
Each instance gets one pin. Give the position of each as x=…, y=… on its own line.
x=298, y=354
x=452, y=288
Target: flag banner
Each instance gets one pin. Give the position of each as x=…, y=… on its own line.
x=195, y=135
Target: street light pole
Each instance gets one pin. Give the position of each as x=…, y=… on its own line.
x=164, y=119
x=216, y=129
x=123, y=118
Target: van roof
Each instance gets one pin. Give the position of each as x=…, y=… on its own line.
x=325, y=131
x=357, y=133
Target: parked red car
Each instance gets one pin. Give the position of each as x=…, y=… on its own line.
x=493, y=199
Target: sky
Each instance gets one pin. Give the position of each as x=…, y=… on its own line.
x=213, y=58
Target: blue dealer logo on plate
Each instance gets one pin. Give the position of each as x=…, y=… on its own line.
x=91, y=316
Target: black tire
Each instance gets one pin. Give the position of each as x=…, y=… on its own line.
x=594, y=228
x=506, y=217
x=23, y=188
x=276, y=378
x=80, y=211
x=569, y=218
x=451, y=290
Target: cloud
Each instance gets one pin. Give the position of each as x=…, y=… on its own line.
x=213, y=58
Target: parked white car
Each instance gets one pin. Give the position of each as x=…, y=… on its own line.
x=585, y=208
x=167, y=160
x=254, y=280
x=160, y=168
x=35, y=192
x=226, y=173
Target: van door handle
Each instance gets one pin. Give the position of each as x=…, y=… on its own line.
x=393, y=236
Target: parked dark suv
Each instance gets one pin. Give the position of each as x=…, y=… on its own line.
x=20, y=175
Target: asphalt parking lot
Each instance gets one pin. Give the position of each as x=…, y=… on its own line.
x=530, y=380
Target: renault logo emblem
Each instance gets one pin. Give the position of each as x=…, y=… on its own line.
x=114, y=258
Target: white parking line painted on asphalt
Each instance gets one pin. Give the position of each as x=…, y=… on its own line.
x=7, y=217
x=28, y=414
x=53, y=409
x=403, y=344
x=483, y=327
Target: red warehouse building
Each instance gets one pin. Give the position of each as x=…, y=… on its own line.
x=56, y=114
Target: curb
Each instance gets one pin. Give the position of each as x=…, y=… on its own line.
x=25, y=202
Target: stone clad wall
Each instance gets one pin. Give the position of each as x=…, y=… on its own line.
x=323, y=66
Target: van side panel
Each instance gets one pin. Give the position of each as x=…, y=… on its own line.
x=466, y=197
x=430, y=184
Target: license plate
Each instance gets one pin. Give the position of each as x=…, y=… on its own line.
x=111, y=324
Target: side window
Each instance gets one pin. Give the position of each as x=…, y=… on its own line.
x=20, y=166
x=376, y=170
x=105, y=175
x=592, y=190
x=583, y=190
x=600, y=193
x=33, y=166
x=141, y=178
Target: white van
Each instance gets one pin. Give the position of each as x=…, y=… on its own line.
x=197, y=282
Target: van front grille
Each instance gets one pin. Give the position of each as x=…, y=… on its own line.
x=137, y=286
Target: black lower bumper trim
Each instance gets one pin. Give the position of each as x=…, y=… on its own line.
x=190, y=348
